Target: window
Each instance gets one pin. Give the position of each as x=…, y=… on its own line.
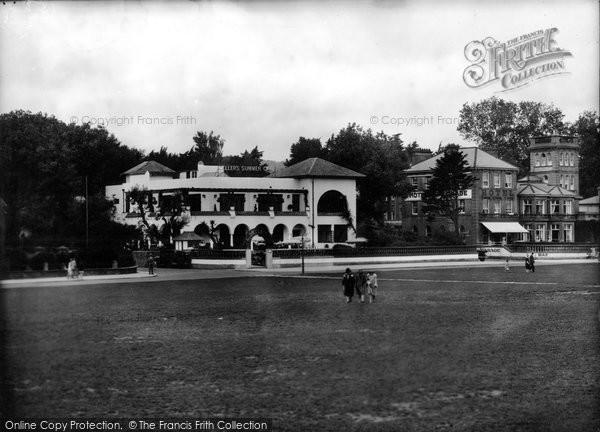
x=562, y=181
x=543, y=159
x=414, y=208
x=508, y=180
x=567, y=207
x=555, y=206
x=545, y=179
x=568, y=232
x=324, y=234
x=415, y=230
x=539, y=207
x=485, y=181
x=496, y=180
x=571, y=159
x=414, y=181
x=508, y=206
x=549, y=159
x=554, y=232
x=561, y=159
x=540, y=232
x=485, y=205
x=428, y=231
x=572, y=185
x=497, y=206
x=427, y=180
x=527, y=206
x=340, y=233
x=530, y=233
x=461, y=206
x=537, y=160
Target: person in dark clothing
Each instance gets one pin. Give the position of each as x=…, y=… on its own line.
x=348, y=282
x=361, y=285
x=532, y=263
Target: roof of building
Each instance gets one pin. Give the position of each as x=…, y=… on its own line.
x=543, y=189
x=316, y=167
x=530, y=178
x=595, y=200
x=154, y=168
x=476, y=158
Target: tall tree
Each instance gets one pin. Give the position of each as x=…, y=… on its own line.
x=380, y=157
x=450, y=175
x=176, y=161
x=505, y=127
x=587, y=127
x=170, y=211
x=305, y=148
x=208, y=148
x=43, y=170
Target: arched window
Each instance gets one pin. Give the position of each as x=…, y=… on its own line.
x=332, y=202
x=416, y=230
x=543, y=159
x=428, y=231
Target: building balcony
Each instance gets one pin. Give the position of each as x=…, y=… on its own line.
x=554, y=217
x=508, y=217
x=249, y=213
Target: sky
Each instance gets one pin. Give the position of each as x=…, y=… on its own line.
x=265, y=73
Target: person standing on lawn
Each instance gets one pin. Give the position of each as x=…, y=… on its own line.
x=71, y=268
x=532, y=263
x=151, y=264
x=348, y=282
x=372, y=286
x=361, y=285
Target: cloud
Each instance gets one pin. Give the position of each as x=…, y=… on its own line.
x=264, y=73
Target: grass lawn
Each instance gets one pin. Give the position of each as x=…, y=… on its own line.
x=455, y=349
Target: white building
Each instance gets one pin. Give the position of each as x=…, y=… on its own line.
x=314, y=198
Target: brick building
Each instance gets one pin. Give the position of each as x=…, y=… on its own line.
x=541, y=207
x=490, y=206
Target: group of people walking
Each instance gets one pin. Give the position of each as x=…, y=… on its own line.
x=360, y=284
x=530, y=263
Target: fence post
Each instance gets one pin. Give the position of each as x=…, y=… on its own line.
x=248, y=258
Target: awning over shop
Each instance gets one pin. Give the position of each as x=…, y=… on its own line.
x=504, y=227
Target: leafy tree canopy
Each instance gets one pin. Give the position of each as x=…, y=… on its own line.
x=380, y=157
x=505, y=127
x=305, y=148
x=208, y=148
x=43, y=170
x=587, y=127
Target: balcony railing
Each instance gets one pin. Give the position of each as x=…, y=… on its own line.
x=495, y=216
x=547, y=217
x=225, y=254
